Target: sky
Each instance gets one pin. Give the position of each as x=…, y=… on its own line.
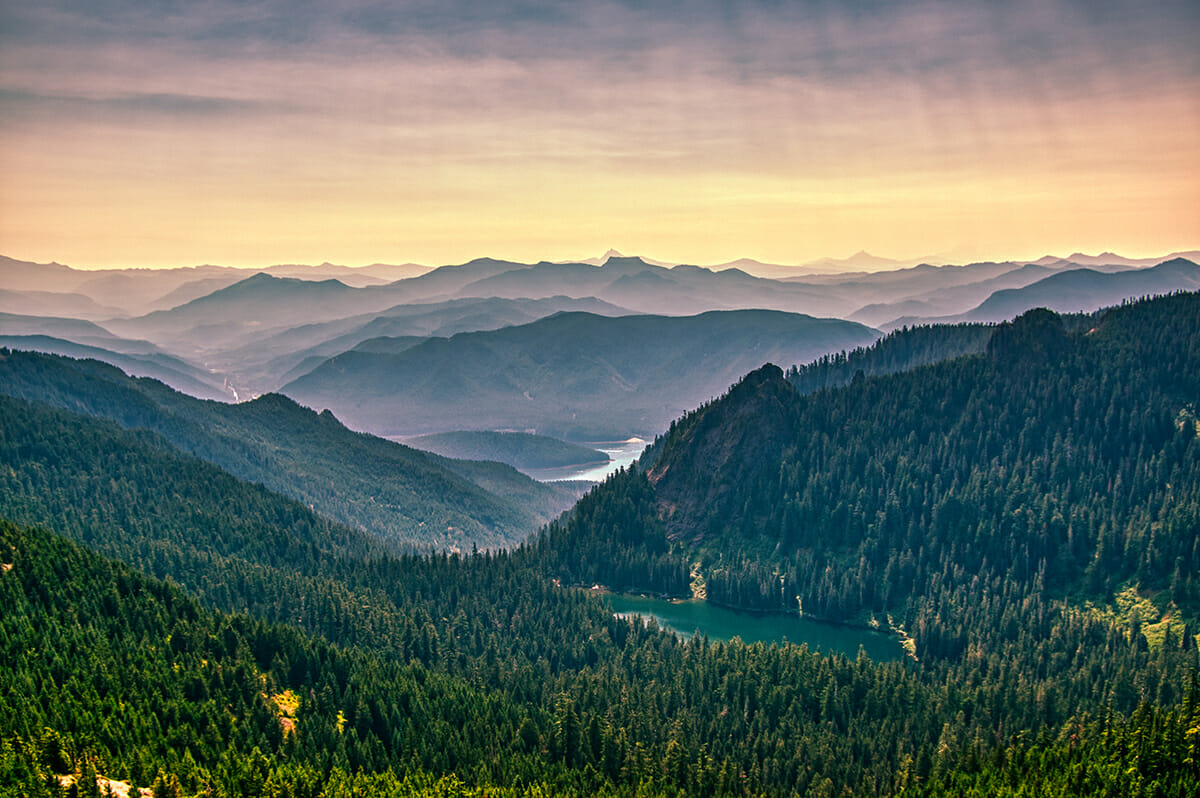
x=179, y=132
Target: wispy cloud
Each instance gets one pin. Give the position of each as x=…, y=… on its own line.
x=462, y=98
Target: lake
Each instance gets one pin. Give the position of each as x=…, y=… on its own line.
x=620, y=454
x=693, y=615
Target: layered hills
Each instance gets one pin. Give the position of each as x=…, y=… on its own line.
x=1025, y=514
x=133, y=292
x=577, y=376
x=168, y=369
x=249, y=333
x=404, y=497
x=1039, y=464
x=1085, y=289
x=1068, y=291
x=268, y=361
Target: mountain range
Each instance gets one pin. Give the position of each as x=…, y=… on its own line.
x=991, y=468
x=1022, y=516
x=573, y=375
x=227, y=334
x=137, y=291
x=406, y=499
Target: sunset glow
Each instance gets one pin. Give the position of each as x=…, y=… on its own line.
x=255, y=134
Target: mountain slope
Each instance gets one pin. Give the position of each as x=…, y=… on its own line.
x=133, y=496
x=1086, y=289
x=110, y=669
x=899, y=350
x=170, y=370
x=250, y=307
x=476, y=675
x=454, y=665
x=1040, y=466
x=574, y=375
x=262, y=364
x=404, y=497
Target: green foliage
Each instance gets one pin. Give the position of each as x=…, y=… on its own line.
x=1054, y=465
x=1153, y=752
x=406, y=498
x=900, y=350
x=985, y=505
x=627, y=549
x=980, y=504
x=137, y=680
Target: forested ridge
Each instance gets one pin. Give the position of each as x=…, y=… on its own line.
x=110, y=672
x=900, y=350
x=1063, y=464
x=290, y=655
x=406, y=498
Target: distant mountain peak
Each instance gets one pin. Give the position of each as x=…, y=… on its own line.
x=859, y=260
x=1178, y=263
x=624, y=262
x=1108, y=258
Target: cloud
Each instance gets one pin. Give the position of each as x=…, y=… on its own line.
x=455, y=103
x=721, y=82
x=20, y=107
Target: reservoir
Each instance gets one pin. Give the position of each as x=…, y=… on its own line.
x=693, y=615
x=620, y=454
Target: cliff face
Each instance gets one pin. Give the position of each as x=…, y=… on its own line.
x=734, y=437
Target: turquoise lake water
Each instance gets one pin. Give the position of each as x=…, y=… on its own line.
x=688, y=617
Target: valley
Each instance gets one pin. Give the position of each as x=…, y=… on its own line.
x=621, y=454
x=606, y=399
x=374, y=576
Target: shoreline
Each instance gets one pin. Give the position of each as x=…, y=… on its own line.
x=890, y=631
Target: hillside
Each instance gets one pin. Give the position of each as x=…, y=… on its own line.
x=269, y=361
x=251, y=307
x=421, y=641
x=170, y=370
x=470, y=676
x=1039, y=466
x=132, y=496
x=404, y=497
x=899, y=350
x=1018, y=503
x=575, y=376
x=476, y=675
x=1086, y=289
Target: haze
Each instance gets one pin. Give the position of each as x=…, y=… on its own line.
x=160, y=134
